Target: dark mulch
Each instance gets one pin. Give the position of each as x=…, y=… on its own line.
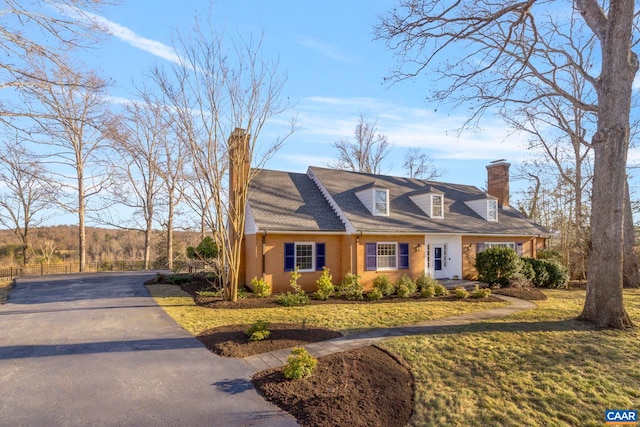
x=529, y=294
x=231, y=341
x=364, y=387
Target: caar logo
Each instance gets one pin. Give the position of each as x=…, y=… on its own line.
x=620, y=417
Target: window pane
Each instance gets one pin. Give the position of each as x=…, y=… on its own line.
x=381, y=202
x=387, y=255
x=304, y=256
x=436, y=206
x=492, y=210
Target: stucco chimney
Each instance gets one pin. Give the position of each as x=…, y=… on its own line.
x=498, y=181
x=239, y=164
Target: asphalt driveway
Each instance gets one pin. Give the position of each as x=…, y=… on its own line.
x=94, y=349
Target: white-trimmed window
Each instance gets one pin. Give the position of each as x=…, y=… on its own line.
x=510, y=245
x=386, y=256
x=381, y=202
x=492, y=210
x=437, y=210
x=305, y=256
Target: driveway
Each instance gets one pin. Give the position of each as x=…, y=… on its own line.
x=94, y=349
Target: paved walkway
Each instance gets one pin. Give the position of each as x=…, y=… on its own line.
x=275, y=359
x=95, y=349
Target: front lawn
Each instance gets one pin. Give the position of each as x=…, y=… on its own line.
x=538, y=367
x=345, y=318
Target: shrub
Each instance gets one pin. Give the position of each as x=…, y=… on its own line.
x=498, y=265
x=547, y=273
x=558, y=275
x=374, y=294
x=295, y=298
x=460, y=292
x=440, y=290
x=405, y=287
x=325, y=285
x=258, y=331
x=427, y=291
x=350, y=288
x=480, y=292
x=260, y=287
x=179, y=279
x=300, y=364
x=426, y=285
x=425, y=280
x=214, y=293
x=384, y=285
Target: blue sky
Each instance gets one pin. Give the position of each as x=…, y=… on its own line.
x=335, y=72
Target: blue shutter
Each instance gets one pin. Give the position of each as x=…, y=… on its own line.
x=320, y=256
x=289, y=256
x=479, y=247
x=403, y=256
x=371, y=256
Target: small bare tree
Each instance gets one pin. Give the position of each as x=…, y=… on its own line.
x=25, y=193
x=71, y=119
x=366, y=152
x=138, y=145
x=220, y=99
x=419, y=165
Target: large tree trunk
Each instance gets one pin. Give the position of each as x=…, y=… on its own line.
x=631, y=272
x=604, y=305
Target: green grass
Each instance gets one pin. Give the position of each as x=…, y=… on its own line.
x=346, y=318
x=539, y=367
x=536, y=368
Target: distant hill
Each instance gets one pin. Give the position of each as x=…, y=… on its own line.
x=103, y=244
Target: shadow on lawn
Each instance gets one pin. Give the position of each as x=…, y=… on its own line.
x=488, y=326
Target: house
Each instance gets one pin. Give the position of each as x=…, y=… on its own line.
x=376, y=224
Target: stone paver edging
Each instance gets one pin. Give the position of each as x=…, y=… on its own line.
x=278, y=358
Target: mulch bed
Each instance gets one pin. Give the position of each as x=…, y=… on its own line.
x=231, y=341
x=364, y=387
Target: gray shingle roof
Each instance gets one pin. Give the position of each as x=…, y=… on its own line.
x=287, y=201
x=405, y=216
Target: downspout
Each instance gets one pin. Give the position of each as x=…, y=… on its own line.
x=264, y=252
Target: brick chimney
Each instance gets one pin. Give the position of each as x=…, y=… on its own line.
x=498, y=181
x=239, y=165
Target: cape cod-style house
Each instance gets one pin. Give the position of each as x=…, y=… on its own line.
x=376, y=224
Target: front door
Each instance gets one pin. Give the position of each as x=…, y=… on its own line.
x=439, y=262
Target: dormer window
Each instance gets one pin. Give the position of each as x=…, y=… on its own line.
x=381, y=206
x=375, y=198
x=436, y=206
x=430, y=201
x=492, y=210
x=486, y=206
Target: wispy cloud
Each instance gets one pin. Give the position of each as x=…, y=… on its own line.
x=323, y=48
x=128, y=36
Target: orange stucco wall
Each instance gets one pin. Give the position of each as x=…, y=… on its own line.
x=530, y=246
x=344, y=254
x=416, y=258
